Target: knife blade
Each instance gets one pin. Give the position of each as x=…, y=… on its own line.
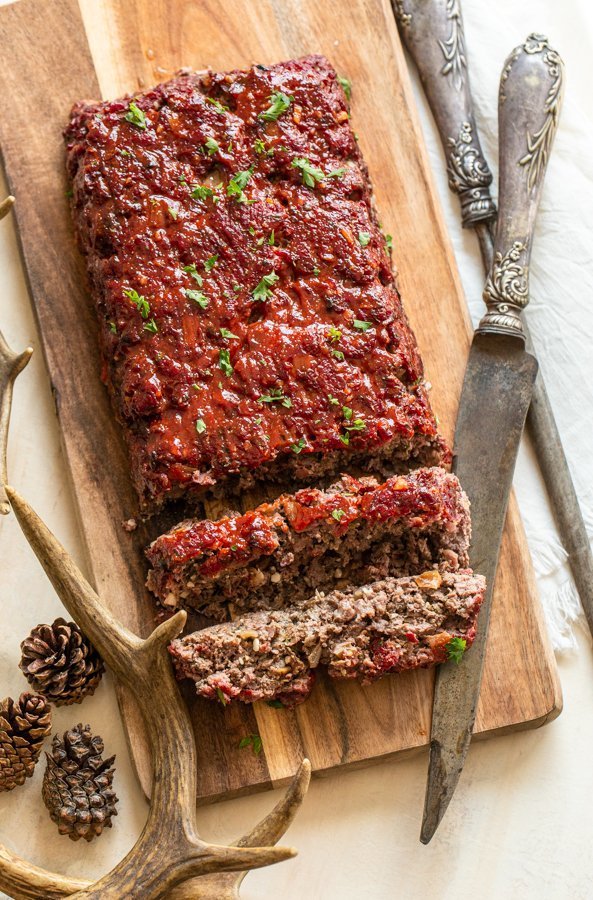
x=496, y=392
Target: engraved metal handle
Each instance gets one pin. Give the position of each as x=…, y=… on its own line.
x=432, y=32
x=529, y=104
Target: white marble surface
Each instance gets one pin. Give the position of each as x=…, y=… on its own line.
x=519, y=825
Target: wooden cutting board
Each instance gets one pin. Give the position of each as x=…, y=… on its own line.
x=58, y=51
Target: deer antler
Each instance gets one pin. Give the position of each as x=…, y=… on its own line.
x=10, y=365
x=169, y=858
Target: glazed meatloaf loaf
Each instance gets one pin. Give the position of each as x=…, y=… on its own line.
x=359, y=632
x=250, y=326
x=355, y=532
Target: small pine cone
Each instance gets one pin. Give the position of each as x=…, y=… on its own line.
x=77, y=784
x=60, y=663
x=23, y=728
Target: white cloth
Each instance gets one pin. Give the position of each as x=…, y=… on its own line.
x=518, y=825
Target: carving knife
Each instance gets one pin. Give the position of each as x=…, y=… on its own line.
x=497, y=390
x=432, y=32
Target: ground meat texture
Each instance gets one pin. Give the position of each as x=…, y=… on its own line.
x=250, y=326
x=360, y=632
x=355, y=532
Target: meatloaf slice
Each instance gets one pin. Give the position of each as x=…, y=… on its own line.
x=281, y=552
x=249, y=321
x=359, y=632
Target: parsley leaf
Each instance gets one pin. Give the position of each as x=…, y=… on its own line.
x=259, y=146
x=200, y=426
x=456, y=648
x=135, y=116
x=252, y=740
x=346, y=87
x=271, y=239
x=388, y=241
x=334, y=334
x=199, y=192
x=300, y=445
x=337, y=173
x=364, y=238
x=345, y=438
x=362, y=326
x=338, y=354
x=217, y=105
x=151, y=326
x=224, y=361
x=197, y=297
x=310, y=174
x=225, y=333
x=237, y=183
x=222, y=697
x=112, y=327
x=356, y=425
x=211, y=262
x=262, y=291
x=211, y=146
x=337, y=514
x=192, y=270
x=347, y=412
x=141, y=303
x=333, y=400
x=172, y=212
x=279, y=103
x=275, y=395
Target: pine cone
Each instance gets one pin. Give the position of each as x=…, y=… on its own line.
x=23, y=728
x=60, y=663
x=77, y=784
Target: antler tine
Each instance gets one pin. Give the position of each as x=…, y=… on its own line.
x=113, y=641
x=276, y=823
x=11, y=364
x=25, y=881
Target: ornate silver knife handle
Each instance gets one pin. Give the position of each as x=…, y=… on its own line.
x=432, y=31
x=529, y=104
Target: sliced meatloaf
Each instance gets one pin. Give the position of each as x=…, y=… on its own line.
x=281, y=552
x=249, y=322
x=358, y=632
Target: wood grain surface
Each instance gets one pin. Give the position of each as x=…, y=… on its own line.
x=58, y=51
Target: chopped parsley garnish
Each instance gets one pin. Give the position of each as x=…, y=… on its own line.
x=151, y=326
x=236, y=288
x=259, y=146
x=333, y=400
x=361, y=325
x=237, y=184
x=225, y=333
x=364, y=238
x=141, y=303
x=222, y=697
x=279, y=103
x=197, y=297
x=334, y=334
x=316, y=271
x=211, y=262
x=275, y=396
x=337, y=173
x=135, y=116
x=262, y=291
x=251, y=740
x=112, y=327
x=192, y=270
x=172, y=212
x=199, y=192
x=345, y=438
x=200, y=426
x=224, y=361
x=456, y=648
x=300, y=445
x=388, y=241
x=211, y=146
x=346, y=87
x=338, y=354
x=217, y=105
x=346, y=412
x=337, y=514
x=271, y=239
x=124, y=153
x=258, y=420
x=310, y=174
x=356, y=425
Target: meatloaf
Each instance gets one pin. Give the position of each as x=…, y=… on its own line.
x=249, y=322
x=355, y=532
x=358, y=632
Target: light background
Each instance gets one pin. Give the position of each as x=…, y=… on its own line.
x=520, y=825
